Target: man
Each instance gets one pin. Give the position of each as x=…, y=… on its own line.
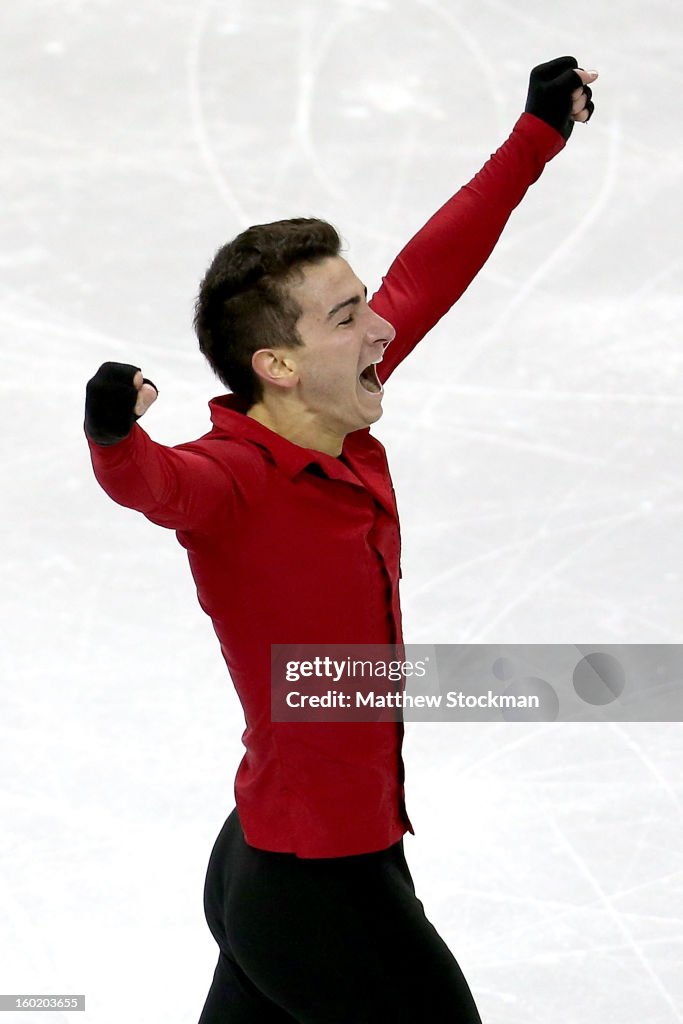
x=289, y=520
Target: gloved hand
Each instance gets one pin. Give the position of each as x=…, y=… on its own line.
x=115, y=398
x=559, y=94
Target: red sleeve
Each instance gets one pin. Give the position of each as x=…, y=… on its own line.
x=439, y=263
x=182, y=488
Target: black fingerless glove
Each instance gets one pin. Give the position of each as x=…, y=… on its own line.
x=550, y=93
x=110, y=398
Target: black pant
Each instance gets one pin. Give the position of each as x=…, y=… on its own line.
x=340, y=940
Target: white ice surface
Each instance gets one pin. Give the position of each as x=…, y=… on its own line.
x=535, y=440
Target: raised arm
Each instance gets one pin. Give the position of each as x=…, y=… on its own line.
x=182, y=488
x=433, y=270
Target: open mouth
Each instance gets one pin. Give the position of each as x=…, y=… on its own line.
x=369, y=380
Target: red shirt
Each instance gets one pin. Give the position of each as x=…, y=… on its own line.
x=317, y=789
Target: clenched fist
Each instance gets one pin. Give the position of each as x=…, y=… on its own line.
x=559, y=94
x=115, y=398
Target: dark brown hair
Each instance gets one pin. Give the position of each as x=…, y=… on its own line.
x=244, y=303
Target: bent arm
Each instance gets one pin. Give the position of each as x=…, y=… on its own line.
x=433, y=270
x=182, y=488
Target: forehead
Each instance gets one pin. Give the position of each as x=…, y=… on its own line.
x=324, y=285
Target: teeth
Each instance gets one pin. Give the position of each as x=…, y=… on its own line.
x=370, y=382
x=375, y=362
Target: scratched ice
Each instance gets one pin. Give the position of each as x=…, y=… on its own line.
x=535, y=439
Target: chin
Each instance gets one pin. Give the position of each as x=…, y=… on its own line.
x=369, y=420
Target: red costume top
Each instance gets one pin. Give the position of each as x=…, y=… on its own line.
x=317, y=789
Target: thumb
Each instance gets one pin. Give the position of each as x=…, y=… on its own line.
x=147, y=395
x=552, y=68
x=568, y=81
x=586, y=76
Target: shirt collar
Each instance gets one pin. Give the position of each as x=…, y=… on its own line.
x=228, y=415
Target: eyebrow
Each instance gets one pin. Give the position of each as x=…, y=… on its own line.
x=354, y=301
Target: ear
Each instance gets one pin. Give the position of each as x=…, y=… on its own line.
x=274, y=367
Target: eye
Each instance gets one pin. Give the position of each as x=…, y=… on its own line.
x=349, y=320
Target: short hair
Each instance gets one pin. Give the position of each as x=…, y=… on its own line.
x=244, y=303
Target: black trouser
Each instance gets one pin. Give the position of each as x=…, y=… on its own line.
x=340, y=940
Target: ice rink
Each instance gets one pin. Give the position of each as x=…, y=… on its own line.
x=535, y=439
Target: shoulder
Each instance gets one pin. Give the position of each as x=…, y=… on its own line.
x=245, y=463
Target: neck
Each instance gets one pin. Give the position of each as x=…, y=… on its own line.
x=298, y=426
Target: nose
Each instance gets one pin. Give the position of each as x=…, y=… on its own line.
x=381, y=330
